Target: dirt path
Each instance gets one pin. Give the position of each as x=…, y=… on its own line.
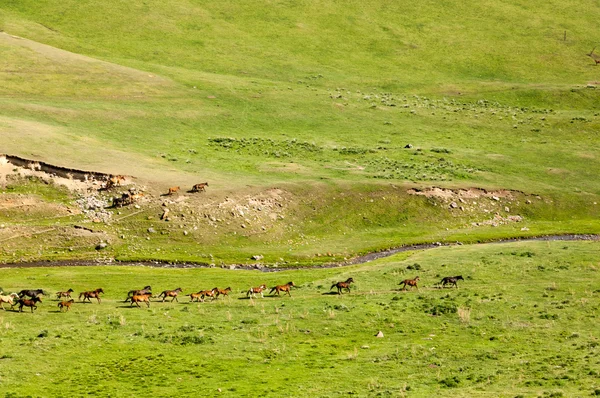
x=357, y=260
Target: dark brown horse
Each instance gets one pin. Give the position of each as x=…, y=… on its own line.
x=171, y=293
x=66, y=294
x=31, y=293
x=410, y=282
x=283, y=288
x=65, y=304
x=28, y=303
x=256, y=290
x=342, y=285
x=92, y=294
x=451, y=280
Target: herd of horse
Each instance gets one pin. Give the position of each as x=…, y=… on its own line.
x=30, y=297
x=131, y=196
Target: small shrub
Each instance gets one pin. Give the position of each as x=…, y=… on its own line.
x=450, y=382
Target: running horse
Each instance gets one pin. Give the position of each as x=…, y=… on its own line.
x=283, y=288
x=141, y=298
x=171, y=293
x=28, y=303
x=256, y=290
x=8, y=299
x=410, y=282
x=66, y=294
x=451, y=280
x=342, y=285
x=65, y=304
x=200, y=187
x=144, y=291
x=33, y=293
x=222, y=292
x=92, y=294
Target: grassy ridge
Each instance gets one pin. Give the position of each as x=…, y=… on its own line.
x=522, y=323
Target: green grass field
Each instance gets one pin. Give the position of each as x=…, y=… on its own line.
x=522, y=323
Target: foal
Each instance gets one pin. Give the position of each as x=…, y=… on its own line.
x=141, y=298
x=254, y=290
x=65, y=304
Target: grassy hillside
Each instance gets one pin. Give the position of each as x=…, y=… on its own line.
x=317, y=99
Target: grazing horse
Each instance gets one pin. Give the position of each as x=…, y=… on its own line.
x=222, y=292
x=33, y=293
x=8, y=299
x=451, y=280
x=145, y=290
x=90, y=295
x=254, y=290
x=28, y=303
x=173, y=190
x=171, y=293
x=64, y=294
x=283, y=288
x=410, y=282
x=141, y=298
x=342, y=285
x=200, y=187
x=65, y=304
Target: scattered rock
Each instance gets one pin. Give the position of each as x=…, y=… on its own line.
x=101, y=245
x=151, y=230
x=380, y=334
x=257, y=257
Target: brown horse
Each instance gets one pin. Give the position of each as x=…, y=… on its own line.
x=92, y=294
x=173, y=190
x=254, y=290
x=29, y=303
x=283, y=288
x=342, y=285
x=451, y=280
x=208, y=293
x=145, y=290
x=141, y=298
x=222, y=292
x=200, y=187
x=66, y=294
x=196, y=296
x=410, y=282
x=171, y=293
x=65, y=304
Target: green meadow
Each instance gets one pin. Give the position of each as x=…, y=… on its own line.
x=522, y=323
